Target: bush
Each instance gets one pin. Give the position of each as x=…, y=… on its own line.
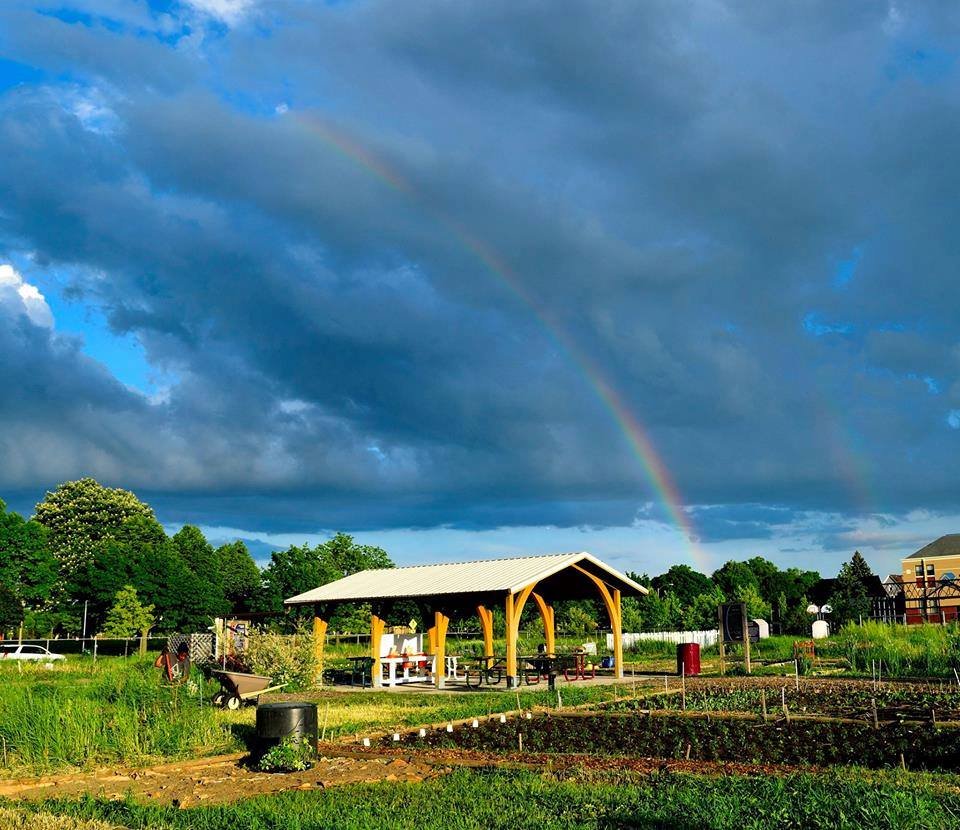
x=290, y=755
x=285, y=658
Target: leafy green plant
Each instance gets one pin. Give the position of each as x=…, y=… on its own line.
x=285, y=658
x=290, y=755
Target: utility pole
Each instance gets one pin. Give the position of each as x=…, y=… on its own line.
x=84, y=634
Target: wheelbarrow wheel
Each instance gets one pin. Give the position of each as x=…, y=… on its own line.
x=218, y=698
x=232, y=703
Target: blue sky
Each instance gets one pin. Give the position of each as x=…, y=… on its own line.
x=285, y=267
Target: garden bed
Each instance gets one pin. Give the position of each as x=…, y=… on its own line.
x=704, y=737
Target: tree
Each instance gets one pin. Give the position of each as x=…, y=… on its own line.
x=27, y=566
x=128, y=616
x=81, y=514
x=300, y=568
x=241, y=576
x=683, y=582
x=859, y=569
x=757, y=606
x=850, y=599
x=734, y=575
x=701, y=614
x=11, y=610
x=199, y=556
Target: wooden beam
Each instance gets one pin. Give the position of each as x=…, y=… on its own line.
x=612, y=602
x=440, y=623
x=376, y=632
x=319, y=638
x=549, y=630
x=511, y=641
x=486, y=626
x=514, y=605
x=617, y=626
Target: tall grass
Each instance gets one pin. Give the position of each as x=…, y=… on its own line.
x=117, y=712
x=906, y=650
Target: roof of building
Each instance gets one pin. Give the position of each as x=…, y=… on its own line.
x=479, y=577
x=948, y=545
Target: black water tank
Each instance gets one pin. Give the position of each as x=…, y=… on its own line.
x=282, y=720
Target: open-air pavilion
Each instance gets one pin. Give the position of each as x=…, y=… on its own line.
x=476, y=587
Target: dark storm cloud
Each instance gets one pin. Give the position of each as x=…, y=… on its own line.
x=294, y=211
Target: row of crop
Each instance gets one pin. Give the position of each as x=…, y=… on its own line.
x=889, y=701
x=799, y=742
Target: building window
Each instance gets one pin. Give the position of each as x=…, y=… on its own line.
x=918, y=570
x=929, y=570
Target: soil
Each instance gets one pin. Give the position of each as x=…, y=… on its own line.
x=214, y=780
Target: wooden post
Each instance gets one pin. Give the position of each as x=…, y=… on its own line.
x=746, y=640
x=440, y=623
x=549, y=631
x=616, y=623
x=376, y=632
x=319, y=639
x=511, y=643
x=486, y=626
x=720, y=640
x=612, y=603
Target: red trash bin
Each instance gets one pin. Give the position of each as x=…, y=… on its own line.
x=688, y=658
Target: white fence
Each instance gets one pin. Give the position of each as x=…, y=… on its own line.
x=704, y=638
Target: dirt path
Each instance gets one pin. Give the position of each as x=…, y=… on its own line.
x=214, y=780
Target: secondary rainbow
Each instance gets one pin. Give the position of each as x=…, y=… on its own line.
x=637, y=437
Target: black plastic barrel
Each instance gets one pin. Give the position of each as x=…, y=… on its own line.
x=276, y=721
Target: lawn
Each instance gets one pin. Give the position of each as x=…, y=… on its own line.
x=493, y=799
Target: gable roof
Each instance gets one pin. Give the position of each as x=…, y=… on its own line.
x=478, y=577
x=948, y=545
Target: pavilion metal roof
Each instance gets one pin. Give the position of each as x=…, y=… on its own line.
x=478, y=577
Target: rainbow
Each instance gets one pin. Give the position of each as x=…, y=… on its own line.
x=637, y=437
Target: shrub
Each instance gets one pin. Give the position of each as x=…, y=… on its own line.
x=285, y=658
x=290, y=755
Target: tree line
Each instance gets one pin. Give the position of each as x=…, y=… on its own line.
x=102, y=549
x=685, y=599
x=88, y=546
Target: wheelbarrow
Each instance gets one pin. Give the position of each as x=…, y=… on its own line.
x=237, y=687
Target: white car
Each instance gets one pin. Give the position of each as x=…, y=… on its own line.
x=15, y=651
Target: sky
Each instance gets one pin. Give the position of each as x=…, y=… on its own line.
x=672, y=282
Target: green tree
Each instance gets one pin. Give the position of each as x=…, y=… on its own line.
x=757, y=606
x=850, y=599
x=27, y=565
x=11, y=610
x=684, y=583
x=701, y=614
x=241, y=576
x=732, y=576
x=128, y=616
x=81, y=514
x=199, y=556
x=300, y=568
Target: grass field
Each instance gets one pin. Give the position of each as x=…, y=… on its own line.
x=494, y=799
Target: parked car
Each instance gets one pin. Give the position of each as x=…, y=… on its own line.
x=15, y=651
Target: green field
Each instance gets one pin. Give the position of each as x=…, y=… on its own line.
x=490, y=798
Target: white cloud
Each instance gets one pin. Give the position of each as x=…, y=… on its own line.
x=24, y=297
x=229, y=11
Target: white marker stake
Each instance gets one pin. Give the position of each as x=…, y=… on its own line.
x=475, y=723
x=366, y=742
x=503, y=718
x=396, y=736
x=423, y=733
